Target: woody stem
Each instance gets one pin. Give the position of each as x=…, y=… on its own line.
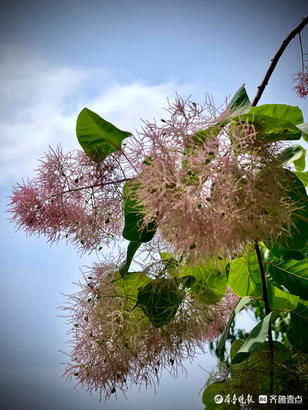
x=267, y=311
x=275, y=59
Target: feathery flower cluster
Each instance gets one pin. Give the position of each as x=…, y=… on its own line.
x=210, y=193
x=71, y=197
x=210, y=186
x=114, y=343
x=301, y=81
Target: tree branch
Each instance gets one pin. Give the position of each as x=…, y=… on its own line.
x=274, y=60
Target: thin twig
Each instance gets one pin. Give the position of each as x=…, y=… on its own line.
x=119, y=181
x=274, y=60
x=302, y=52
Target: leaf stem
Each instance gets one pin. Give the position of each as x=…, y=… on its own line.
x=267, y=311
x=274, y=60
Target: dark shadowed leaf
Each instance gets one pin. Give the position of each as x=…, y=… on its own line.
x=298, y=328
x=133, y=228
x=240, y=305
x=218, y=390
x=297, y=238
x=289, y=275
x=254, y=341
x=131, y=250
x=160, y=300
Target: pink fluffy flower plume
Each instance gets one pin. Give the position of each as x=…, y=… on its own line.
x=301, y=83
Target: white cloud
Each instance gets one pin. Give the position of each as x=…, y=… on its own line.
x=41, y=101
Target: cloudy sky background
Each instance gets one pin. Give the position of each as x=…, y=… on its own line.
x=121, y=59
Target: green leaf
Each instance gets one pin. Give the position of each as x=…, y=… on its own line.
x=254, y=340
x=240, y=305
x=211, y=391
x=132, y=248
x=211, y=280
x=171, y=264
x=289, y=275
x=296, y=239
x=208, y=135
x=298, y=328
x=291, y=154
x=160, y=300
x=244, y=276
x=133, y=281
x=300, y=163
x=187, y=281
x=303, y=176
x=259, y=358
x=240, y=102
x=275, y=122
x=98, y=137
x=133, y=227
x=280, y=300
x=235, y=347
x=304, y=128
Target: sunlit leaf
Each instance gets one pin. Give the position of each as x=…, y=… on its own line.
x=304, y=128
x=280, y=300
x=171, y=264
x=303, y=176
x=300, y=163
x=275, y=122
x=211, y=280
x=240, y=102
x=129, y=285
x=244, y=276
x=97, y=136
x=295, y=153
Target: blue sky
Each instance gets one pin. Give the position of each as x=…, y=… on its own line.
x=121, y=59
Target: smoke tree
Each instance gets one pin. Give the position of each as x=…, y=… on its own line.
x=210, y=212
